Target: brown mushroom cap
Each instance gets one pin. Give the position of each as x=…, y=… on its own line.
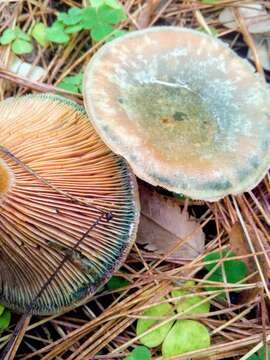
x=39, y=225
x=186, y=112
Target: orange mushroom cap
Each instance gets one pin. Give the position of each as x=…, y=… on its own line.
x=40, y=223
x=186, y=112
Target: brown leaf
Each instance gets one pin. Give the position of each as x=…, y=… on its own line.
x=255, y=16
x=164, y=226
x=240, y=247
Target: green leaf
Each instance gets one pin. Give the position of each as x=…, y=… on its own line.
x=2, y=308
x=20, y=46
x=56, y=34
x=67, y=86
x=5, y=319
x=96, y=3
x=72, y=83
x=62, y=17
x=73, y=16
x=101, y=19
x=139, y=353
x=89, y=18
x=186, y=303
x=109, y=15
x=235, y=270
x=155, y=337
x=100, y=31
x=116, y=34
x=39, y=33
x=73, y=29
x=117, y=282
x=8, y=36
x=185, y=336
x=112, y=3
x=23, y=36
x=253, y=357
x=260, y=354
x=75, y=12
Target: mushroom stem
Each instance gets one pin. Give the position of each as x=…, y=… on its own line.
x=7, y=178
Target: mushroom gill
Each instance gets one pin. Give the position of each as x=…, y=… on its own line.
x=41, y=221
x=7, y=179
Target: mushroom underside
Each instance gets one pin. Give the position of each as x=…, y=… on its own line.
x=41, y=223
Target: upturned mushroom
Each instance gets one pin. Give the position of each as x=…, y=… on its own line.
x=56, y=178
x=186, y=112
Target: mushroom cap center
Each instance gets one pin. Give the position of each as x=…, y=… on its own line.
x=182, y=115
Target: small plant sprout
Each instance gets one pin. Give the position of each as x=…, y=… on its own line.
x=186, y=112
x=101, y=18
x=55, y=140
x=71, y=20
x=19, y=40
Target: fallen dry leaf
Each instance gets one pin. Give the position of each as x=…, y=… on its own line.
x=262, y=45
x=240, y=247
x=255, y=16
x=164, y=225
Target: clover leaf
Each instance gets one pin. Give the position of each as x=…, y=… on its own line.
x=19, y=40
x=100, y=20
x=39, y=33
x=112, y=3
x=71, y=20
x=56, y=33
x=180, y=336
x=72, y=17
x=139, y=353
x=72, y=83
x=183, y=305
x=8, y=36
x=20, y=47
x=235, y=270
x=155, y=337
x=185, y=336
